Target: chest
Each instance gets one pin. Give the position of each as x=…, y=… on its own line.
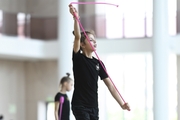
x=89, y=66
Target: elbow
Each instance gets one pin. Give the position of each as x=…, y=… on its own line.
x=78, y=37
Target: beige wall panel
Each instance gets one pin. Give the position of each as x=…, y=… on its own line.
x=42, y=8
x=42, y=84
x=12, y=90
x=13, y=6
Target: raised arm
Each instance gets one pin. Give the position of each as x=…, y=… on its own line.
x=77, y=32
x=115, y=94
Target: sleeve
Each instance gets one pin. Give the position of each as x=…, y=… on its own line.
x=102, y=71
x=75, y=56
x=57, y=97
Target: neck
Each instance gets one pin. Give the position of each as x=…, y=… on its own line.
x=63, y=90
x=87, y=54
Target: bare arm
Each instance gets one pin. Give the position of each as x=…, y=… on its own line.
x=56, y=110
x=77, y=32
x=115, y=94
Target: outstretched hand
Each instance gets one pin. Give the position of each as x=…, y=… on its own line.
x=73, y=10
x=126, y=107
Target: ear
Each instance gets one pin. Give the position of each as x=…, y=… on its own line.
x=65, y=83
x=82, y=45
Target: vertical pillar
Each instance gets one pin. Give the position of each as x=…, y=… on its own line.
x=65, y=38
x=160, y=59
x=178, y=85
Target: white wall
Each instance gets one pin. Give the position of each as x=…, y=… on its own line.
x=23, y=85
x=41, y=85
x=13, y=6
x=28, y=49
x=42, y=8
x=38, y=8
x=12, y=90
x=178, y=87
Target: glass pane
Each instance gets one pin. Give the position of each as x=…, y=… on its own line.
x=115, y=67
x=172, y=26
x=129, y=75
x=149, y=87
x=133, y=76
x=172, y=17
x=114, y=19
x=149, y=25
x=100, y=27
x=134, y=27
x=50, y=111
x=114, y=25
x=133, y=18
x=135, y=79
x=173, y=87
x=134, y=24
x=21, y=24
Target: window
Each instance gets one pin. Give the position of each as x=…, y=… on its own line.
x=132, y=19
x=21, y=18
x=132, y=75
x=50, y=111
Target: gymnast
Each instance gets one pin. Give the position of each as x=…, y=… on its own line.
x=87, y=69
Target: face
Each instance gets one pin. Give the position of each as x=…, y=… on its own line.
x=87, y=46
x=69, y=85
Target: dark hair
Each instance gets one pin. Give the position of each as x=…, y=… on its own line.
x=83, y=36
x=65, y=79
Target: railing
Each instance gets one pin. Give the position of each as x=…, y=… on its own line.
x=104, y=26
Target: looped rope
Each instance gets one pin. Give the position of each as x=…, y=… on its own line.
x=93, y=3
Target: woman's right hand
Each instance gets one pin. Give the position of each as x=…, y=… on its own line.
x=73, y=10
